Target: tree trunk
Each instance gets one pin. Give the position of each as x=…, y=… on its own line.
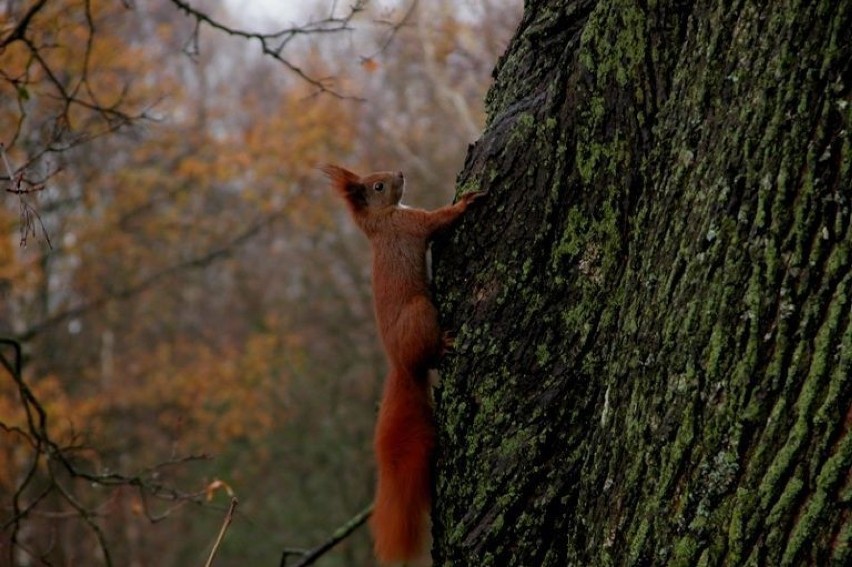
x=652, y=305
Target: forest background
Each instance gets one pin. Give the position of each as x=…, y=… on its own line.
x=192, y=304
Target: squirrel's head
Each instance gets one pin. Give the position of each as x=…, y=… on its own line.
x=368, y=194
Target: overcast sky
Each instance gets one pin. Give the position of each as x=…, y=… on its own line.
x=271, y=12
x=265, y=15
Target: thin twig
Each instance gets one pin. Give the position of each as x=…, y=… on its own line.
x=6, y=162
x=229, y=516
x=88, y=516
x=273, y=44
x=21, y=28
x=309, y=557
x=50, y=453
x=29, y=214
x=394, y=29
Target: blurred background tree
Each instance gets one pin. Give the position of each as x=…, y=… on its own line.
x=192, y=304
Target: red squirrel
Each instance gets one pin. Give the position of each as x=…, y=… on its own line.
x=413, y=342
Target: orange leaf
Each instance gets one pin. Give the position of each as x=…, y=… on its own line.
x=369, y=64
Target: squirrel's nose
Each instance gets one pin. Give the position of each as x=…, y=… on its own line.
x=400, y=175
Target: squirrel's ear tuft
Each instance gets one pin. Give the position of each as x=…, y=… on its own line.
x=348, y=185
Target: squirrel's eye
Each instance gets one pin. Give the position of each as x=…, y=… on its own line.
x=379, y=186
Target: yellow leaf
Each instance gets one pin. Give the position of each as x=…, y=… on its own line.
x=217, y=484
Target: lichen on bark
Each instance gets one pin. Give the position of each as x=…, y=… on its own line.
x=652, y=306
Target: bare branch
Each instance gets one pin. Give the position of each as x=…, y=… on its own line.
x=273, y=43
x=88, y=516
x=21, y=186
x=111, y=114
x=310, y=556
x=229, y=516
x=18, y=32
x=47, y=451
x=394, y=28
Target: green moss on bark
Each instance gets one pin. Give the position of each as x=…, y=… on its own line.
x=652, y=305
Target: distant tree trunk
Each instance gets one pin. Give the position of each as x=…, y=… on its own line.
x=652, y=306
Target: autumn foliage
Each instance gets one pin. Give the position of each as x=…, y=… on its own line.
x=200, y=319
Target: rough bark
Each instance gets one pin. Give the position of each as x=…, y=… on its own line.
x=652, y=308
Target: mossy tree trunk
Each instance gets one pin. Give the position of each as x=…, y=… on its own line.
x=652, y=306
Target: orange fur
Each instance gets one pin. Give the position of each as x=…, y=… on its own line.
x=403, y=446
x=408, y=325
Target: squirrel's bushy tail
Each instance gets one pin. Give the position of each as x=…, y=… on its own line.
x=405, y=436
